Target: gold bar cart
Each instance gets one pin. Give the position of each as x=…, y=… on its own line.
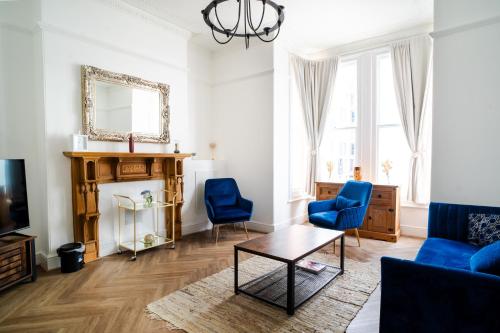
x=126, y=203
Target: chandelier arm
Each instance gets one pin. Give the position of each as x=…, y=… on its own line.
x=250, y=22
x=237, y=23
x=268, y=41
x=218, y=41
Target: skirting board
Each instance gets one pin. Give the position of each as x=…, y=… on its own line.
x=419, y=232
x=47, y=263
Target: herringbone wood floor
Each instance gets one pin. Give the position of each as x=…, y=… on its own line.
x=110, y=295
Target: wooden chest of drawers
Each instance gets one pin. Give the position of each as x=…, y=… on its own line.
x=17, y=259
x=382, y=217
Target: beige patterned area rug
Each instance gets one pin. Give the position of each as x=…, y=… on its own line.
x=210, y=304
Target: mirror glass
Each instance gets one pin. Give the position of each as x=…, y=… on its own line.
x=120, y=108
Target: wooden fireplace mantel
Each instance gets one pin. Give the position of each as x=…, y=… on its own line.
x=88, y=169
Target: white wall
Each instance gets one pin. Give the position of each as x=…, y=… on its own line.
x=466, y=158
x=110, y=35
x=243, y=123
x=21, y=123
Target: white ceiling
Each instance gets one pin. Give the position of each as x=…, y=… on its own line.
x=309, y=25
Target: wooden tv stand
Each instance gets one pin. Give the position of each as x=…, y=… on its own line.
x=17, y=259
x=89, y=169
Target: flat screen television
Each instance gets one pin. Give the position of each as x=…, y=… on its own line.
x=13, y=196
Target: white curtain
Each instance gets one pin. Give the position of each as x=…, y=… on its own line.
x=315, y=80
x=411, y=61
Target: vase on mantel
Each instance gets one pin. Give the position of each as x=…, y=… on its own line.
x=131, y=143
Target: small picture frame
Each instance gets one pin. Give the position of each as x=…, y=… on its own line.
x=80, y=142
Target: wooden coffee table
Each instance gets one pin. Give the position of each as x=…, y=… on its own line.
x=288, y=286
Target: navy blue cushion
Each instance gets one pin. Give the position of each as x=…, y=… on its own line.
x=445, y=252
x=487, y=260
x=230, y=214
x=325, y=219
x=223, y=200
x=343, y=203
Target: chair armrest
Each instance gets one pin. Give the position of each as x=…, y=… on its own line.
x=321, y=206
x=210, y=210
x=350, y=218
x=428, y=298
x=246, y=205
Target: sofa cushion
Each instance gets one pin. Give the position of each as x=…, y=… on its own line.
x=324, y=219
x=487, y=260
x=223, y=200
x=445, y=252
x=343, y=203
x=230, y=214
x=483, y=229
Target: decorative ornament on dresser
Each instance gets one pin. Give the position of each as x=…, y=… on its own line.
x=386, y=168
x=212, y=146
x=357, y=173
x=329, y=168
x=263, y=28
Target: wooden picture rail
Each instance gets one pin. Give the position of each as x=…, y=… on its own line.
x=89, y=169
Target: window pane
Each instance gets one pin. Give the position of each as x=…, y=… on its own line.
x=393, y=151
x=345, y=96
x=338, y=153
x=386, y=97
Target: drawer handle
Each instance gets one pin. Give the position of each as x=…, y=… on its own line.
x=329, y=192
x=391, y=210
x=379, y=196
x=369, y=217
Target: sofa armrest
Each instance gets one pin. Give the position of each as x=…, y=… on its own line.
x=321, y=206
x=246, y=205
x=425, y=298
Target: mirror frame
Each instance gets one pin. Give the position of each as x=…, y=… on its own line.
x=92, y=74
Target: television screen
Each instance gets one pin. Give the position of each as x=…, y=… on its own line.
x=13, y=196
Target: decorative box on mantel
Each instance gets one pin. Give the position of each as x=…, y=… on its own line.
x=88, y=169
x=382, y=217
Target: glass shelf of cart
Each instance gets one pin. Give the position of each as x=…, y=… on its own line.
x=143, y=205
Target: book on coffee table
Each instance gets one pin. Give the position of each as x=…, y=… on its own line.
x=311, y=266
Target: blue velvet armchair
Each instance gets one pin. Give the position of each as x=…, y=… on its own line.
x=346, y=211
x=225, y=205
x=439, y=291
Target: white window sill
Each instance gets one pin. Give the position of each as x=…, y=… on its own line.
x=300, y=198
x=408, y=204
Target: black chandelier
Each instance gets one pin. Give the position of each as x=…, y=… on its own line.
x=249, y=28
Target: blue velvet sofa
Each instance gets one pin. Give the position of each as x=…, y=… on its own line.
x=438, y=291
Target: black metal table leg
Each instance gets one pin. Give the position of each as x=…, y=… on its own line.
x=235, y=270
x=342, y=253
x=290, y=289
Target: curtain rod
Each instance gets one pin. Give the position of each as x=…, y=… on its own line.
x=371, y=47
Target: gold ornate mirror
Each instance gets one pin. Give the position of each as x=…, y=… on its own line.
x=115, y=105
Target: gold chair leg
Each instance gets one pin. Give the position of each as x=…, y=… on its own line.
x=357, y=236
x=246, y=231
x=216, y=234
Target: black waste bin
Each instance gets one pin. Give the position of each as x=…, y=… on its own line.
x=71, y=255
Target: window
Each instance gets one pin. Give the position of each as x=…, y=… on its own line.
x=363, y=128
x=393, y=153
x=338, y=153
